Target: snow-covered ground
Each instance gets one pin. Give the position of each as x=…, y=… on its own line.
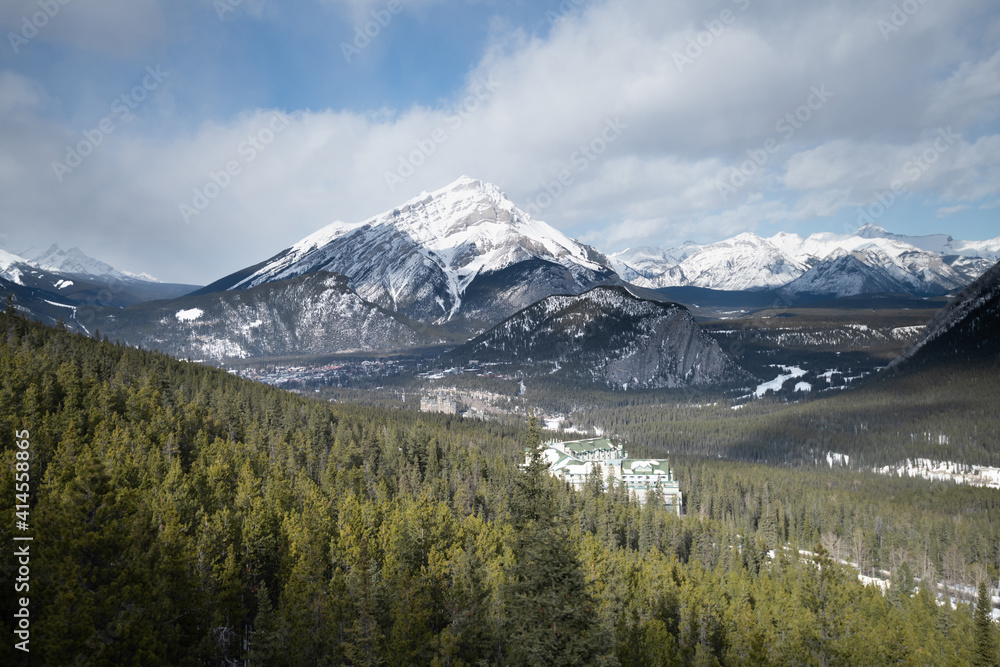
x=833, y=458
x=555, y=423
x=189, y=315
x=790, y=372
x=945, y=471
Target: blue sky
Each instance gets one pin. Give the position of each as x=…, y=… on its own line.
x=621, y=122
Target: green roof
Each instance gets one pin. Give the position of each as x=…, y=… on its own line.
x=645, y=467
x=591, y=445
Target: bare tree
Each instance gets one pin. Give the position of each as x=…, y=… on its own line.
x=834, y=545
x=859, y=549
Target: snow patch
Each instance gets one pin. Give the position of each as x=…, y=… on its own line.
x=790, y=372
x=945, y=471
x=189, y=315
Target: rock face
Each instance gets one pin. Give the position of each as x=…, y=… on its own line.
x=610, y=337
x=967, y=330
x=313, y=314
x=463, y=256
x=846, y=275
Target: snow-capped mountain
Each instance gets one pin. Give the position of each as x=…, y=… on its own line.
x=967, y=330
x=923, y=265
x=607, y=336
x=11, y=266
x=74, y=261
x=464, y=254
x=845, y=274
x=72, y=278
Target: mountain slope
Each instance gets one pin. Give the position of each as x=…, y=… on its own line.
x=845, y=275
x=967, y=330
x=439, y=258
x=607, y=336
x=314, y=314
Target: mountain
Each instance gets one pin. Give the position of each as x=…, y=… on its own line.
x=646, y=262
x=75, y=261
x=74, y=278
x=317, y=313
x=941, y=244
x=464, y=256
x=607, y=336
x=845, y=274
x=966, y=330
x=920, y=265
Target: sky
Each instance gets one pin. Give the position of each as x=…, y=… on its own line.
x=190, y=138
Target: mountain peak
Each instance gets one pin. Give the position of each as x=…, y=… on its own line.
x=872, y=231
x=421, y=257
x=73, y=261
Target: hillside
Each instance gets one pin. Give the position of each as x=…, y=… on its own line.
x=317, y=313
x=610, y=337
x=966, y=331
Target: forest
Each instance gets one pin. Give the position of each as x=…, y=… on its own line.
x=184, y=516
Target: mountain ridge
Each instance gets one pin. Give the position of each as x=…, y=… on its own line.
x=925, y=265
x=609, y=336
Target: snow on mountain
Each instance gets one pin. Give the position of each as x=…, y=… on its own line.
x=9, y=266
x=845, y=274
x=941, y=244
x=424, y=257
x=74, y=261
x=608, y=336
x=744, y=262
x=636, y=264
x=920, y=264
x=313, y=314
x=967, y=329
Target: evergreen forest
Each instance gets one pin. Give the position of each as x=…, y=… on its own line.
x=184, y=516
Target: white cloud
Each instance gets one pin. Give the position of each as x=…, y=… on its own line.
x=606, y=62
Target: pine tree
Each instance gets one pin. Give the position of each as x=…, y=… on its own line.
x=265, y=643
x=986, y=651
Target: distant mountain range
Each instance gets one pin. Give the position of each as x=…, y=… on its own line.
x=58, y=284
x=869, y=261
x=463, y=262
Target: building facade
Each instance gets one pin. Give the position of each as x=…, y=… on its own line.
x=438, y=403
x=576, y=460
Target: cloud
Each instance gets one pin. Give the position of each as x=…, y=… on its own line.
x=533, y=115
x=111, y=26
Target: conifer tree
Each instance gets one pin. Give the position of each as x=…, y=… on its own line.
x=986, y=650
